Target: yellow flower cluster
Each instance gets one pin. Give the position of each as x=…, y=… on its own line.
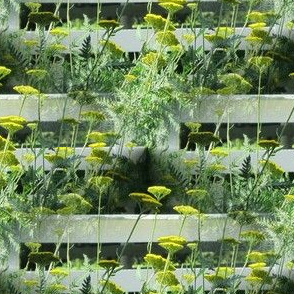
x=26, y=90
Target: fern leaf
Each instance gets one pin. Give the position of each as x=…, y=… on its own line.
x=246, y=168
x=86, y=286
x=86, y=50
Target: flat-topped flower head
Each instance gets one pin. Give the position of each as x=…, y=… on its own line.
x=166, y=278
x=289, y=198
x=108, y=23
x=186, y=210
x=257, y=16
x=197, y=193
x=166, y=38
x=218, y=152
x=33, y=6
x=57, y=47
x=59, y=272
x=70, y=121
x=130, y=78
x=111, y=287
x=253, y=236
x=4, y=71
x=7, y=158
x=193, y=126
x=171, y=7
x=172, y=239
x=257, y=25
x=33, y=246
x=26, y=90
x=157, y=262
x=274, y=169
x=13, y=119
x=203, y=138
x=97, y=145
x=171, y=247
x=268, y=144
x=291, y=75
x=43, y=18
x=232, y=2
x=158, y=22
x=74, y=203
x=257, y=265
x=37, y=73
x=42, y=258
x=146, y=200
x=108, y=263
x=58, y=32
x=93, y=116
x=192, y=5
x=113, y=48
x=100, y=181
x=231, y=241
x=154, y=59
x=11, y=127
x=159, y=191
x=257, y=256
x=261, y=62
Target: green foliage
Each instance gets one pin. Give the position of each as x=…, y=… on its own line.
x=86, y=286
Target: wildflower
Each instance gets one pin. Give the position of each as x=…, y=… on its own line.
x=93, y=116
x=175, y=289
x=216, y=167
x=101, y=154
x=197, y=193
x=158, y=22
x=26, y=90
x=146, y=200
x=189, y=278
x=152, y=58
x=108, y=264
x=43, y=18
x=4, y=71
x=289, y=197
x=192, y=246
x=31, y=283
x=231, y=241
x=42, y=258
x=113, y=48
x=218, y=152
x=253, y=39
x=33, y=246
x=166, y=278
x=235, y=83
x=100, y=181
x=108, y=23
x=5, y=144
x=129, y=78
x=37, y=73
x=111, y=287
x=58, y=32
x=33, y=6
x=172, y=239
x=203, y=138
x=257, y=256
x=193, y=126
x=97, y=145
x=11, y=127
x=291, y=75
x=192, y=6
x=186, y=210
x=257, y=16
x=253, y=236
x=70, y=121
x=253, y=280
x=213, y=278
x=268, y=144
x=57, y=47
x=290, y=25
x=257, y=25
x=171, y=7
x=58, y=272
x=97, y=136
x=213, y=38
x=75, y=203
x=30, y=43
x=171, y=246
x=274, y=169
x=42, y=211
x=130, y=145
x=13, y=119
x=190, y=163
x=159, y=191
x=93, y=160
x=189, y=38
x=261, y=62
x=257, y=265
x=8, y=158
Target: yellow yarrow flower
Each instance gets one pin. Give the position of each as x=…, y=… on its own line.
x=4, y=71
x=26, y=90
x=186, y=210
x=59, y=32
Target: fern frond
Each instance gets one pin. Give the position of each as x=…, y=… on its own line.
x=86, y=286
x=246, y=169
x=86, y=50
